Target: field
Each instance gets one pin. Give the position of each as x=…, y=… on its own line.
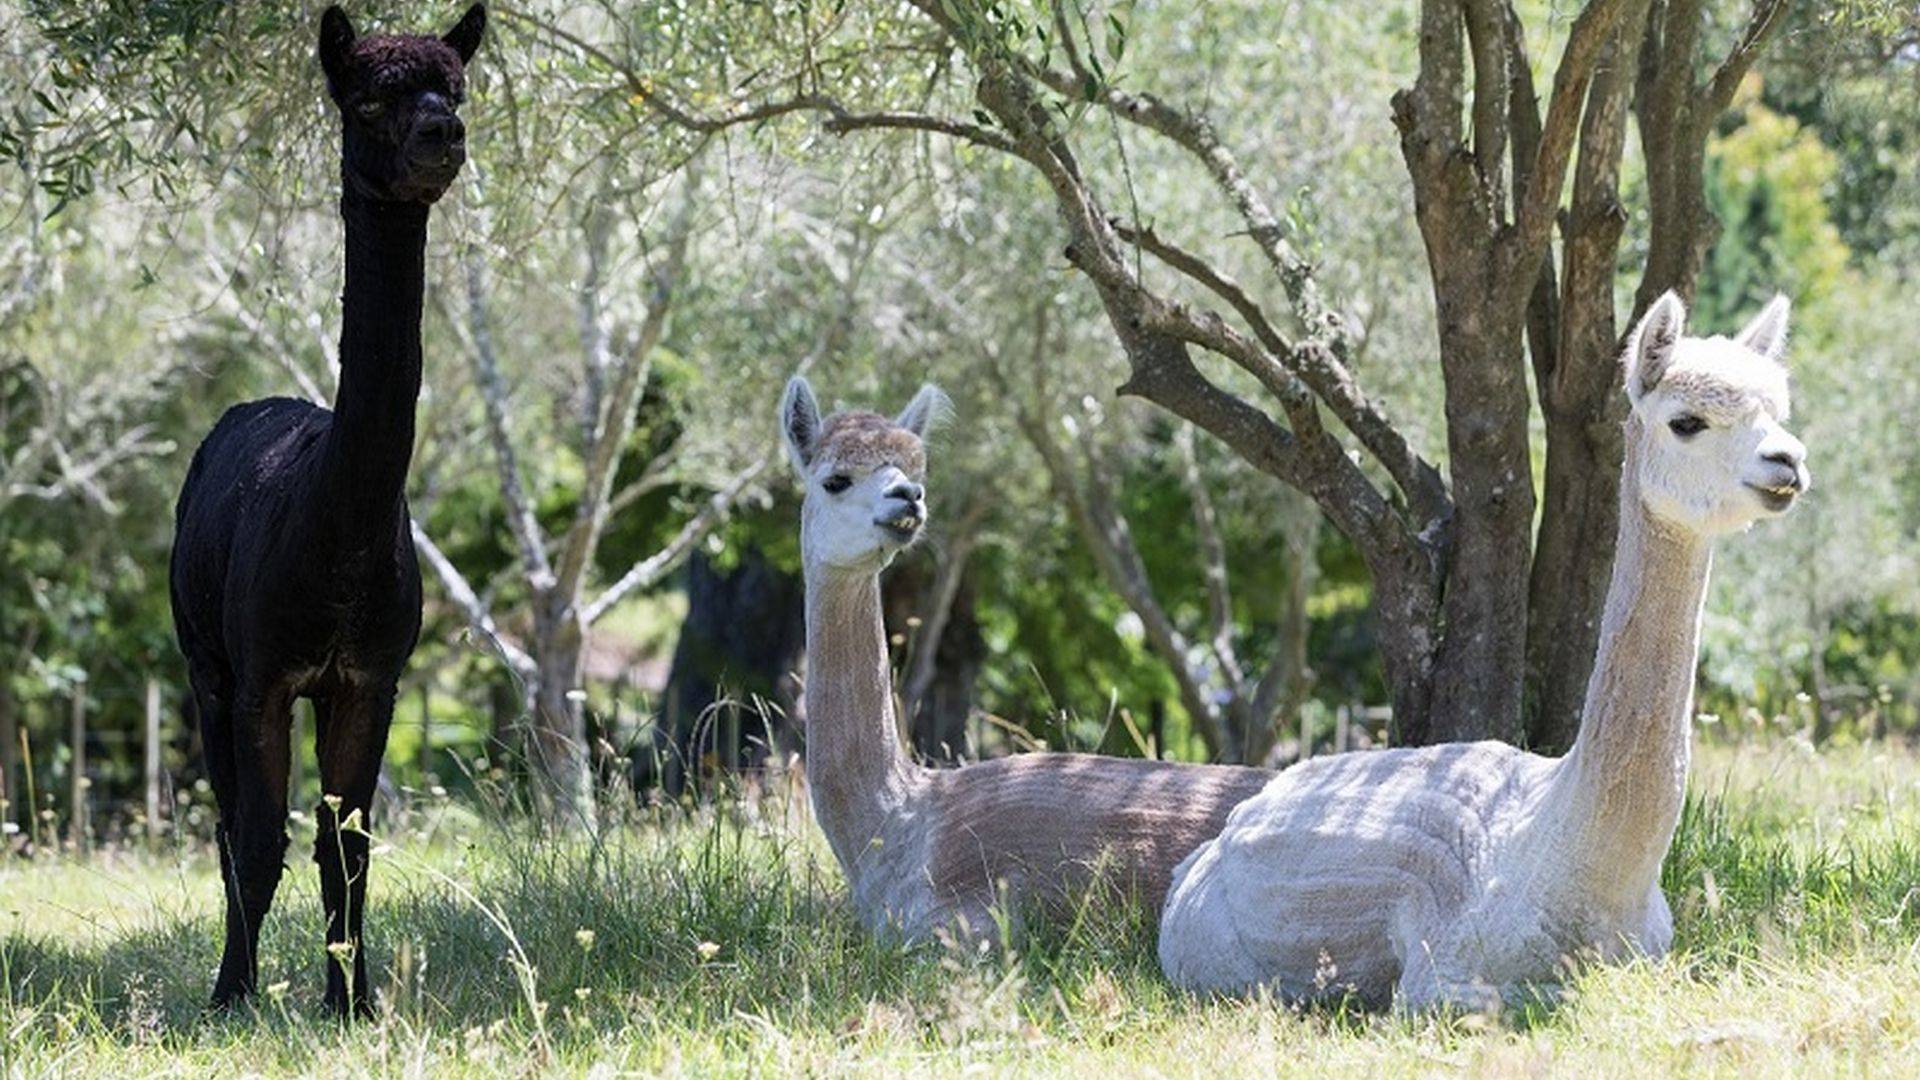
x=715, y=944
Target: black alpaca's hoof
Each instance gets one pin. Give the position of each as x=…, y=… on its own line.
x=226, y=999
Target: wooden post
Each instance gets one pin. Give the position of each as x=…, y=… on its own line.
x=11, y=789
x=425, y=753
x=1342, y=725
x=77, y=780
x=1306, y=735
x=153, y=760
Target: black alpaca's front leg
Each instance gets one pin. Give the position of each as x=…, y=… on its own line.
x=350, y=737
x=253, y=834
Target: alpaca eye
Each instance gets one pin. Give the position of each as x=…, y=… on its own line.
x=1687, y=426
x=837, y=483
x=371, y=110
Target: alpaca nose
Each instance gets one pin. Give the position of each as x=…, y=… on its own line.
x=907, y=490
x=1792, y=463
x=440, y=130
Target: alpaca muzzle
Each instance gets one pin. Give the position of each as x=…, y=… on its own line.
x=904, y=523
x=1779, y=494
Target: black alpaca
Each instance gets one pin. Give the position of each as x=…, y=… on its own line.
x=293, y=570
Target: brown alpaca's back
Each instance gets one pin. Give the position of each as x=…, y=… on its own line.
x=1042, y=828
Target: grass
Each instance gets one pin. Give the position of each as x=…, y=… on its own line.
x=718, y=945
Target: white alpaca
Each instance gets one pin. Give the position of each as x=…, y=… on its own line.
x=1471, y=873
x=921, y=847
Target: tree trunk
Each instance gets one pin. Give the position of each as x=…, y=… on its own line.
x=744, y=634
x=557, y=744
x=1647, y=68
x=506, y=706
x=1571, y=570
x=1576, y=348
x=1479, y=660
x=947, y=649
x=943, y=701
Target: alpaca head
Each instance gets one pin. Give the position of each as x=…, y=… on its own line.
x=862, y=473
x=1709, y=447
x=402, y=140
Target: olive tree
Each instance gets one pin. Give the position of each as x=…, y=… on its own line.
x=1518, y=200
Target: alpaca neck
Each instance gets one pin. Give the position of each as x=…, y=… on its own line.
x=855, y=766
x=371, y=442
x=1622, y=786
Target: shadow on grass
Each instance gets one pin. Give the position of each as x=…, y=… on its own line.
x=680, y=926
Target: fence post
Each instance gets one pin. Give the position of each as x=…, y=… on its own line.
x=425, y=754
x=77, y=792
x=1342, y=728
x=153, y=759
x=10, y=795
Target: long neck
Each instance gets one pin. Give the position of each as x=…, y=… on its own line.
x=855, y=765
x=1622, y=786
x=371, y=442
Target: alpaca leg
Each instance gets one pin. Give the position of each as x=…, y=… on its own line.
x=213, y=703
x=253, y=830
x=351, y=737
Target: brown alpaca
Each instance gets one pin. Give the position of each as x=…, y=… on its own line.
x=923, y=848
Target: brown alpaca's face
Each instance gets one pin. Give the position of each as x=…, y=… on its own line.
x=402, y=139
x=863, y=474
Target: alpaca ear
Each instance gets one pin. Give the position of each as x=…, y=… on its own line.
x=928, y=410
x=336, y=41
x=1767, y=333
x=800, y=422
x=1650, y=348
x=465, y=35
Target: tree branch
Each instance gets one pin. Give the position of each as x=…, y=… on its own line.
x=653, y=477
x=1538, y=206
x=651, y=569
x=595, y=340
x=1487, y=43
x=469, y=602
x=1312, y=362
x=1213, y=560
x=1196, y=135
x=1719, y=90
x=961, y=540
x=840, y=118
x=1299, y=526
x=493, y=392
x=615, y=421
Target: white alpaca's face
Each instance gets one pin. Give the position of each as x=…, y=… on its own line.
x=1714, y=454
x=863, y=477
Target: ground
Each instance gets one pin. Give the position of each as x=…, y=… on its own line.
x=715, y=944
